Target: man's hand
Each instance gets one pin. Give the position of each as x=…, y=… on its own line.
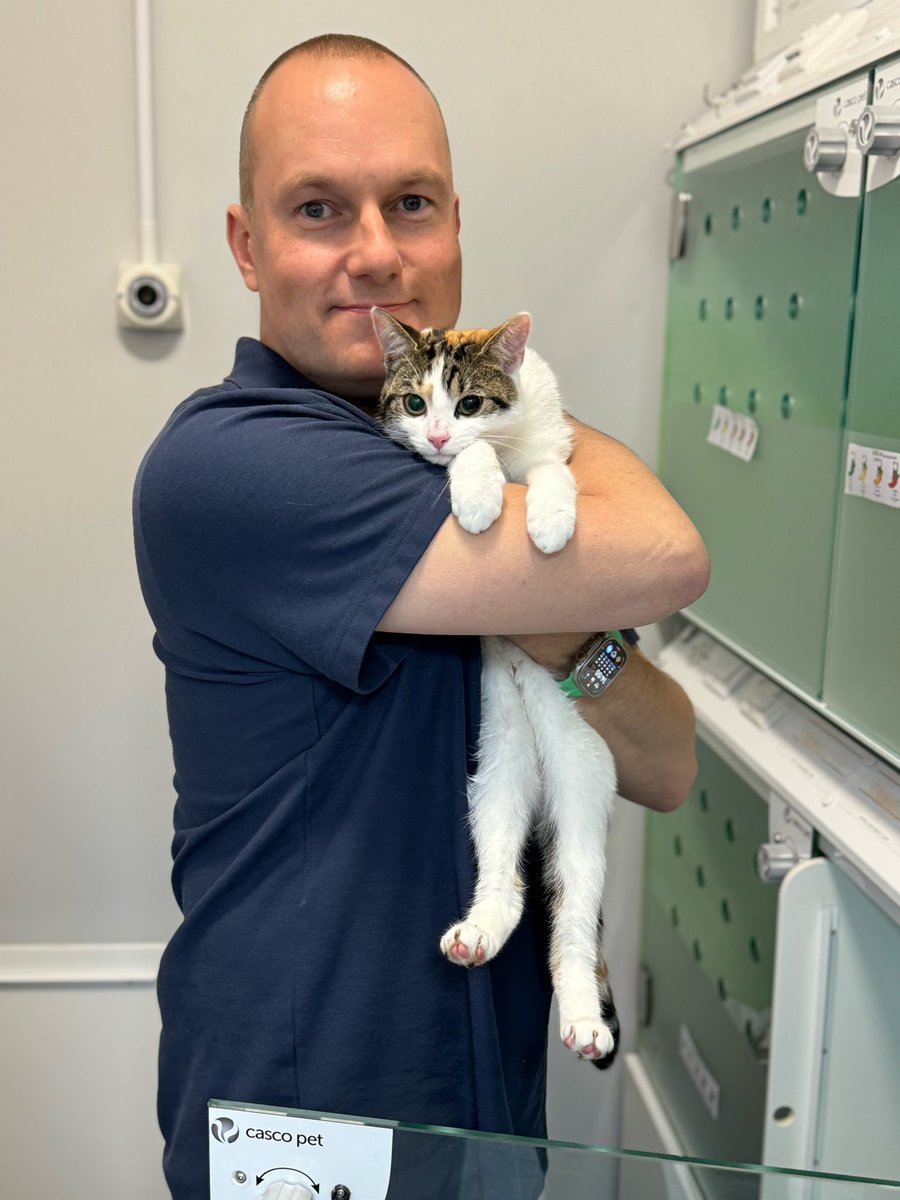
x=645, y=718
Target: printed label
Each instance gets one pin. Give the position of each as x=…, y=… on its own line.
x=734, y=432
x=873, y=474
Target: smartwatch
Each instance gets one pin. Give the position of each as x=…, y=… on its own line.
x=597, y=665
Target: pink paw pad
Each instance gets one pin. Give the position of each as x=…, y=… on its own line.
x=460, y=950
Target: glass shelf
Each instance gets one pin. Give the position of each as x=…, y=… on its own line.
x=431, y=1163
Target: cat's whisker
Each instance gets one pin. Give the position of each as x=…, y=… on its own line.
x=510, y=441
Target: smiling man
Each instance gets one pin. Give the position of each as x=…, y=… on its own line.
x=317, y=610
x=347, y=201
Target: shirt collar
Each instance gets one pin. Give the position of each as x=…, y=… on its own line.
x=257, y=366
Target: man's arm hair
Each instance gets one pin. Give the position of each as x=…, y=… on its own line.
x=634, y=558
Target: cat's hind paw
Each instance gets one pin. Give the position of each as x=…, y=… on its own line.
x=468, y=945
x=589, y=1038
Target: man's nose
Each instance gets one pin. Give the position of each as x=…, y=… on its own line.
x=374, y=251
x=438, y=437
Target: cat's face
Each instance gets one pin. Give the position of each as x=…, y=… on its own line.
x=444, y=389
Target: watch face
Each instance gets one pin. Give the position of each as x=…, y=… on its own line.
x=599, y=669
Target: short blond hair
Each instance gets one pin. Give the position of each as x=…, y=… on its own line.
x=326, y=45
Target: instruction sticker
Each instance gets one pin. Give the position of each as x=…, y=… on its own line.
x=873, y=474
x=734, y=432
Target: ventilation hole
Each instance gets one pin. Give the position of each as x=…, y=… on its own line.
x=754, y=949
x=787, y=405
x=698, y=393
x=724, y=395
x=676, y=844
x=759, y=307
x=673, y=915
x=752, y=405
x=783, y=1115
x=729, y=309
x=720, y=984
x=736, y=217
x=702, y=310
x=802, y=202
x=767, y=210
x=701, y=877
x=794, y=306
x=704, y=800
x=708, y=224
x=726, y=911
x=696, y=949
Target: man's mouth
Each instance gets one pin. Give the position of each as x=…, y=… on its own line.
x=367, y=306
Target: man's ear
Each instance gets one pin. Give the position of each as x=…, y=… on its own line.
x=238, y=234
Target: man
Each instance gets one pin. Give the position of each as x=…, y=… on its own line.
x=315, y=606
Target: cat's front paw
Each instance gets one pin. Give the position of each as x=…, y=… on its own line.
x=477, y=513
x=550, y=527
x=588, y=1037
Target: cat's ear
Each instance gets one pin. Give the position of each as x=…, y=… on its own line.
x=396, y=338
x=507, y=342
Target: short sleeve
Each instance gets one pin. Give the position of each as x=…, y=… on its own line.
x=283, y=531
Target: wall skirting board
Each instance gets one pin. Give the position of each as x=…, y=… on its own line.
x=46, y=963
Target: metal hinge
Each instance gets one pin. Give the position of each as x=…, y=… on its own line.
x=681, y=202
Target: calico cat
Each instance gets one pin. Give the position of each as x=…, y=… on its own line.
x=482, y=404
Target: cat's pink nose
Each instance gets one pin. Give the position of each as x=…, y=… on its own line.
x=437, y=439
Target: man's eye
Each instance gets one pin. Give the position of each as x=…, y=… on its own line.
x=414, y=405
x=315, y=209
x=412, y=204
x=469, y=405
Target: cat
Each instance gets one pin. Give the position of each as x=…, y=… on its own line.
x=486, y=406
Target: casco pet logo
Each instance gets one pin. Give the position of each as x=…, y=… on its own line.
x=225, y=1130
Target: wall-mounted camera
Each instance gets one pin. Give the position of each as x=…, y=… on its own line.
x=149, y=296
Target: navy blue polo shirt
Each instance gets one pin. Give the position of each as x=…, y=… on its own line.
x=320, y=844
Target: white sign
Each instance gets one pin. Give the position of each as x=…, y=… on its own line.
x=253, y=1150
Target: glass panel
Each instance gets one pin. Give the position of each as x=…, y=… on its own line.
x=427, y=1163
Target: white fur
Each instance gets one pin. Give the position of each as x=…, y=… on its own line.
x=539, y=762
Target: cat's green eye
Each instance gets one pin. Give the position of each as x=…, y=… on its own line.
x=469, y=405
x=414, y=405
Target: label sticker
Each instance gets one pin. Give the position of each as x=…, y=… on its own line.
x=734, y=432
x=873, y=474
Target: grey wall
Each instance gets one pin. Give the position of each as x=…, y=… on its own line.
x=557, y=115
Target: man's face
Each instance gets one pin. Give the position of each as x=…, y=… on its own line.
x=353, y=205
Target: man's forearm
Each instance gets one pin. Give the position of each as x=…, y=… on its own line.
x=648, y=723
x=645, y=718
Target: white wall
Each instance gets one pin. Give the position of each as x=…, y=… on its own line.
x=557, y=116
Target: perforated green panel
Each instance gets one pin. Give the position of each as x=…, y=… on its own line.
x=759, y=317
x=708, y=943
x=863, y=666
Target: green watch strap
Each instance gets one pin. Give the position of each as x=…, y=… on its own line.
x=568, y=685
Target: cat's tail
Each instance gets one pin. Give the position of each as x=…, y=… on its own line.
x=607, y=1004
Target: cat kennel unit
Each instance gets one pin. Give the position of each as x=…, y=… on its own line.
x=771, y=918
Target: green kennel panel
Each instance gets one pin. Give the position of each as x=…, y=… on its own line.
x=863, y=663
x=708, y=939
x=758, y=320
